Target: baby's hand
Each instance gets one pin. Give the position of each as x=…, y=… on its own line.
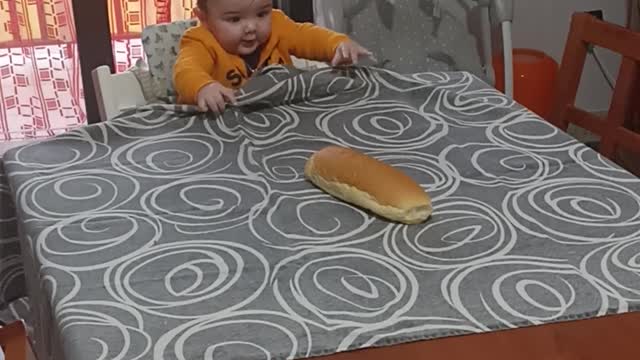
x=215, y=97
x=348, y=53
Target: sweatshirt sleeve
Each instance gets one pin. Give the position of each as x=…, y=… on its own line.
x=193, y=69
x=307, y=40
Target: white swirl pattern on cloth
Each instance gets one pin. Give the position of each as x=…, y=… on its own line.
x=457, y=226
x=328, y=89
x=384, y=124
x=492, y=293
x=91, y=241
x=601, y=167
x=344, y=287
x=576, y=210
x=169, y=155
x=215, y=202
x=7, y=209
x=524, y=130
x=434, y=175
x=283, y=161
x=170, y=233
x=229, y=335
x=111, y=330
x=288, y=221
x=212, y=277
x=265, y=128
x=66, y=151
x=617, y=264
x=492, y=165
x=11, y=274
x=56, y=197
x=413, y=328
x=462, y=102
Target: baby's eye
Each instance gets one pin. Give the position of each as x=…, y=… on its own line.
x=263, y=14
x=234, y=19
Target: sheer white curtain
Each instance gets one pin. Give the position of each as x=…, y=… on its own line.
x=41, y=91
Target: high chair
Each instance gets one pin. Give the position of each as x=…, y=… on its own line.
x=146, y=82
x=587, y=30
x=477, y=29
x=150, y=79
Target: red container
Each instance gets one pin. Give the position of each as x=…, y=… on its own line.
x=534, y=76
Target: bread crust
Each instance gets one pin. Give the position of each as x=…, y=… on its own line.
x=369, y=183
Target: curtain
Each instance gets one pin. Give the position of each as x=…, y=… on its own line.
x=41, y=91
x=129, y=17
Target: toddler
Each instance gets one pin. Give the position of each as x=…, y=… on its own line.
x=237, y=37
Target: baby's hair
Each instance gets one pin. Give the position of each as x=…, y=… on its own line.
x=202, y=5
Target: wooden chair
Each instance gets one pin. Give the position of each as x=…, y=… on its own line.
x=614, y=129
x=15, y=343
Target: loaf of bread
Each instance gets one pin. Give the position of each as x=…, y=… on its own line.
x=369, y=183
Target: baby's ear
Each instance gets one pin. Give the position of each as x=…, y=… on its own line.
x=200, y=14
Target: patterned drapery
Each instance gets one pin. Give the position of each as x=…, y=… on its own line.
x=40, y=79
x=129, y=17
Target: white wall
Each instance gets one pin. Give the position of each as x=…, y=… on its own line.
x=544, y=25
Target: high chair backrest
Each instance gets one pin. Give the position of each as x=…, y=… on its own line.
x=587, y=30
x=161, y=43
x=411, y=35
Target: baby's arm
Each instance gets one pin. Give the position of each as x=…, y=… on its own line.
x=193, y=69
x=193, y=80
x=312, y=42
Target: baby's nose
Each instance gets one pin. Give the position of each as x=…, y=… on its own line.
x=250, y=26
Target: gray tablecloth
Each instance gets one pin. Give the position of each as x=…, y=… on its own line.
x=11, y=269
x=171, y=234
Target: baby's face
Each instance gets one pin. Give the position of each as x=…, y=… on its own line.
x=240, y=26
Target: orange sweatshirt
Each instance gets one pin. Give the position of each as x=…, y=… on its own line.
x=202, y=60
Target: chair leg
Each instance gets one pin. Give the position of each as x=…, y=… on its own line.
x=620, y=109
x=634, y=119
